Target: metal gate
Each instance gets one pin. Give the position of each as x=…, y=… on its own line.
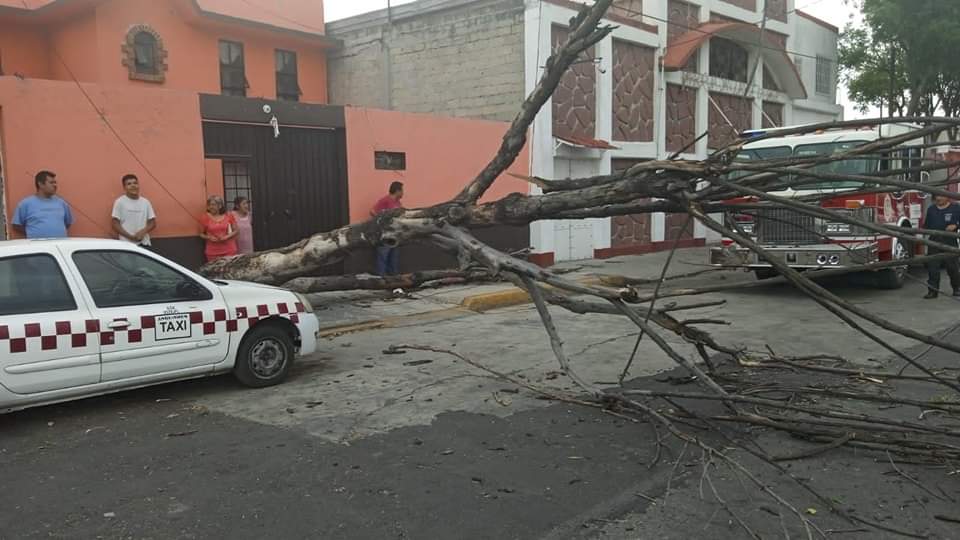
x=297, y=180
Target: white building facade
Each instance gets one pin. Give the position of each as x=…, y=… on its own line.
x=670, y=71
x=656, y=69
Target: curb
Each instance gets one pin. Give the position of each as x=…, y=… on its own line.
x=478, y=303
x=510, y=297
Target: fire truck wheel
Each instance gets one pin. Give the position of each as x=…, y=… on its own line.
x=765, y=273
x=894, y=278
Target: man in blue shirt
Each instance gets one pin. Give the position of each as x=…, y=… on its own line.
x=43, y=215
x=943, y=215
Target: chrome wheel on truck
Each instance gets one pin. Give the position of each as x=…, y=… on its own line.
x=894, y=278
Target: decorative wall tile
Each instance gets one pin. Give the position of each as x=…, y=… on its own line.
x=772, y=114
x=736, y=109
x=681, y=116
x=634, y=67
x=632, y=230
x=575, y=101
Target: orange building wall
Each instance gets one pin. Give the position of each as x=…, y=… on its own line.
x=443, y=155
x=89, y=45
x=193, y=51
x=50, y=125
x=24, y=50
x=73, y=46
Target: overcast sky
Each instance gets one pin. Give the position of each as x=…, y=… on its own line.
x=833, y=11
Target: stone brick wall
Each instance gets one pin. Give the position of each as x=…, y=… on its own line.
x=736, y=109
x=633, y=71
x=745, y=4
x=777, y=9
x=681, y=117
x=462, y=61
x=631, y=9
x=772, y=115
x=677, y=227
x=633, y=230
x=575, y=100
x=683, y=17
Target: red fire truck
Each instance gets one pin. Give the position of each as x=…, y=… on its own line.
x=807, y=242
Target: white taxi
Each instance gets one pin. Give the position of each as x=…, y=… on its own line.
x=82, y=317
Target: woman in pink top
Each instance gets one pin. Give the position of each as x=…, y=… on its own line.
x=219, y=230
x=241, y=214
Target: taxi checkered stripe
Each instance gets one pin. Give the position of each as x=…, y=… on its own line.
x=18, y=339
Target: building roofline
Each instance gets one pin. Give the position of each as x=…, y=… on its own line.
x=58, y=9
x=399, y=13
x=609, y=15
x=819, y=21
x=324, y=40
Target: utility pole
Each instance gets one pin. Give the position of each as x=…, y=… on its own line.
x=893, y=74
x=385, y=35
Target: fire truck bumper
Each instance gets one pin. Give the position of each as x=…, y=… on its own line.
x=814, y=256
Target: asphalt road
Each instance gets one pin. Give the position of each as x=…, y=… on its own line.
x=363, y=444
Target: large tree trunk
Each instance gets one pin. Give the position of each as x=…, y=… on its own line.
x=403, y=281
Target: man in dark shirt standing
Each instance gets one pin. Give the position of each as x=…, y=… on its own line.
x=943, y=215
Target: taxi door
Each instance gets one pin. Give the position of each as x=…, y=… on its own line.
x=46, y=342
x=154, y=317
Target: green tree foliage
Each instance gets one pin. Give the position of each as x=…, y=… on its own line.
x=906, y=56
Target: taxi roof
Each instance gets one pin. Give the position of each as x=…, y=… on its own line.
x=14, y=247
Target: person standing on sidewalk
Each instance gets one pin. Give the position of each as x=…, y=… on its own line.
x=133, y=215
x=943, y=215
x=241, y=214
x=219, y=229
x=386, y=255
x=43, y=215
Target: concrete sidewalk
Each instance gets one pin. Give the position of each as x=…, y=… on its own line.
x=352, y=311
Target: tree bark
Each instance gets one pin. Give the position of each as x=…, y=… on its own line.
x=403, y=281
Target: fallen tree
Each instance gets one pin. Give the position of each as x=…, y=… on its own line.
x=701, y=189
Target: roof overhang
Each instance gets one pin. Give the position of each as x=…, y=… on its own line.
x=585, y=142
x=193, y=10
x=56, y=11
x=775, y=57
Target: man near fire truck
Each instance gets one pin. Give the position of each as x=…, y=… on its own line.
x=943, y=215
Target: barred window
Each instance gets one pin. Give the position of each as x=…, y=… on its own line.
x=236, y=181
x=824, y=75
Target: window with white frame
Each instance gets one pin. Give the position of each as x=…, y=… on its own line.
x=824, y=75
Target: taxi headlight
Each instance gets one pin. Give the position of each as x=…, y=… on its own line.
x=302, y=298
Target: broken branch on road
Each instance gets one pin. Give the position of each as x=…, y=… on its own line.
x=834, y=415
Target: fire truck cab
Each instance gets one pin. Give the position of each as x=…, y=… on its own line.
x=806, y=242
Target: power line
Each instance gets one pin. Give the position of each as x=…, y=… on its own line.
x=120, y=139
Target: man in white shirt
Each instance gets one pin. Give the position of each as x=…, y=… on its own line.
x=133, y=216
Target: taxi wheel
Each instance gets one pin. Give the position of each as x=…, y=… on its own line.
x=265, y=356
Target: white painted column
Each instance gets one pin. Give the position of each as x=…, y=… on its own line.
x=604, y=130
x=536, y=51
